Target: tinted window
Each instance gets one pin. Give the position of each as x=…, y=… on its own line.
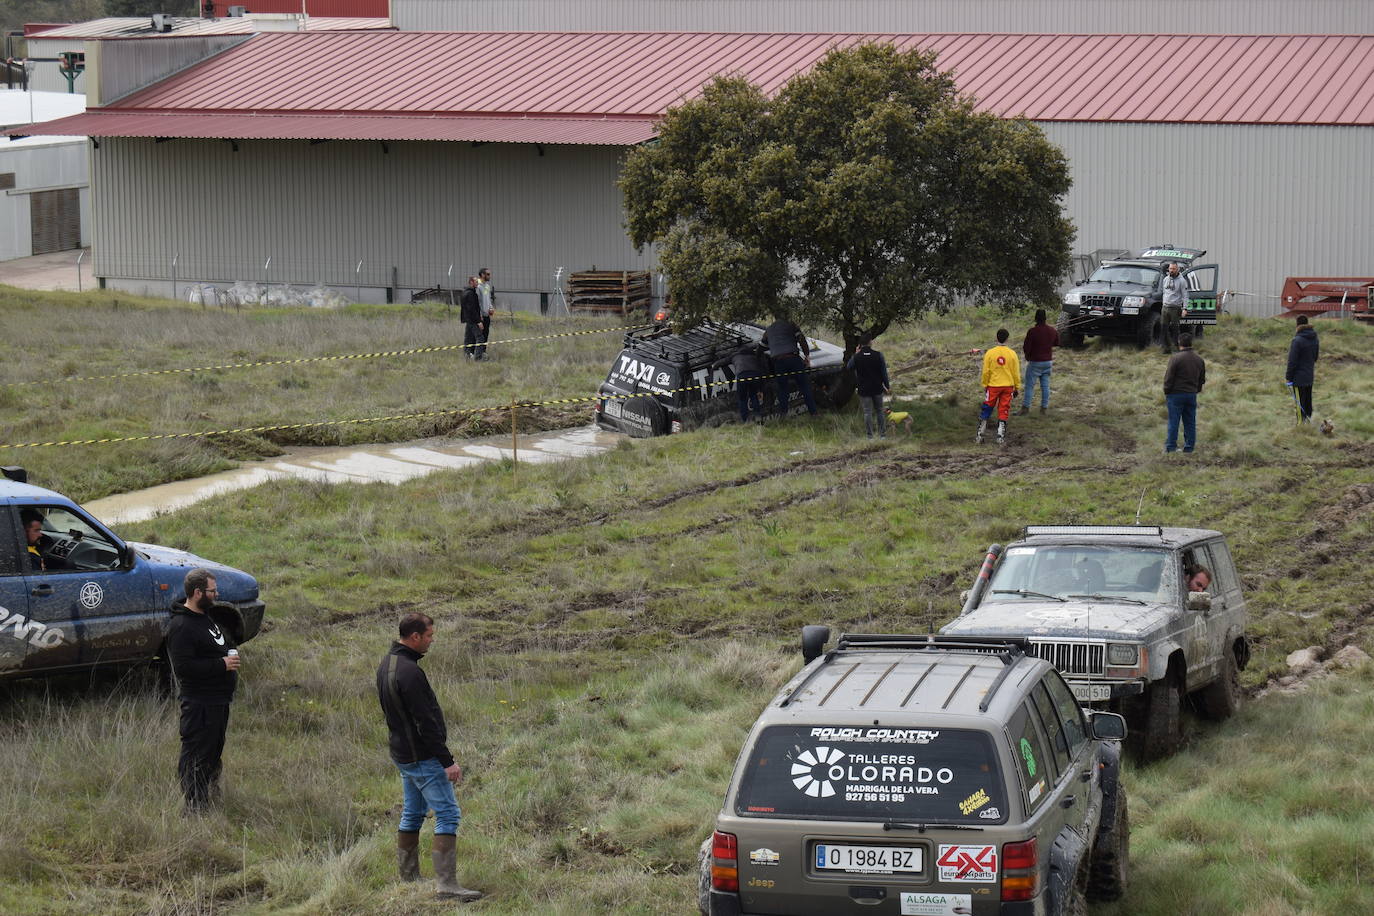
x=850, y=773
x=1222, y=568
x=1070, y=713
x=1054, y=728
x=1031, y=755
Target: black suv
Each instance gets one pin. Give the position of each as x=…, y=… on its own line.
x=664, y=382
x=1124, y=297
x=921, y=776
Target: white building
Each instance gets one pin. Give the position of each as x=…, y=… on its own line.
x=45, y=202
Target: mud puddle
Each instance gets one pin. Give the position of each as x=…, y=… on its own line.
x=390, y=463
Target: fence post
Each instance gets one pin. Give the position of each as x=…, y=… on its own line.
x=176, y=257
x=514, y=443
x=358, y=281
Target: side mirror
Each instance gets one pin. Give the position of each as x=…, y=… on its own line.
x=127, y=556
x=1199, y=601
x=813, y=641
x=1107, y=725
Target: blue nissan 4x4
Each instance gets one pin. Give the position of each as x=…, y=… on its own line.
x=83, y=597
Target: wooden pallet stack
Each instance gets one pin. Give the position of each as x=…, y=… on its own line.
x=609, y=290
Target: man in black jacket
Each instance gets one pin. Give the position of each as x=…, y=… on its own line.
x=470, y=312
x=1302, y=365
x=205, y=663
x=870, y=372
x=791, y=356
x=419, y=748
x=749, y=365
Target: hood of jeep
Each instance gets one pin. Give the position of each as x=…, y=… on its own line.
x=1066, y=620
x=1115, y=288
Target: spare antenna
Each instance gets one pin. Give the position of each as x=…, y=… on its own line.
x=1139, y=505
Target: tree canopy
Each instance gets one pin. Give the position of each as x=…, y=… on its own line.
x=868, y=191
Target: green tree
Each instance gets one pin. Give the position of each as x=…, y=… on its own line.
x=868, y=191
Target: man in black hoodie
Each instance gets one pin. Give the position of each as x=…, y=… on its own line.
x=206, y=663
x=1302, y=365
x=419, y=748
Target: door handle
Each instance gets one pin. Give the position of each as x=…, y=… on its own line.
x=41, y=591
x=1068, y=801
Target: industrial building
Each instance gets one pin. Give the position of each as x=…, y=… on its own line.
x=382, y=163
x=45, y=203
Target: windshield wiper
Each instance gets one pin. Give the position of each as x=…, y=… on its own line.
x=922, y=828
x=1111, y=598
x=1025, y=593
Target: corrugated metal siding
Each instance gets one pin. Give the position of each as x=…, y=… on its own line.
x=46, y=76
x=1101, y=16
x=1266, y=202
x=125, y=66
x=317, y=210
x=55, y=165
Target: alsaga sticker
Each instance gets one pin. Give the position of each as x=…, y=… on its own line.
x=918, y=904
x=968, y=863
x=764, y=857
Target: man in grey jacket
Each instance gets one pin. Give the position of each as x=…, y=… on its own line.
x=1175, y=305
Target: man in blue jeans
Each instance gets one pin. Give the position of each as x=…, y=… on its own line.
x=419, y=748
x=1183, y=381
x=1039, y=350
x=791, y=357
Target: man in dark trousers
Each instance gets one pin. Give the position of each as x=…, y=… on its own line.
x=205, y=663
x=791, y=356
x=1038, y=348
x=748, y=364
x=419, y=748
x=470, y=312
x=1302, y=365
x=870, y=372
x=1183, y=380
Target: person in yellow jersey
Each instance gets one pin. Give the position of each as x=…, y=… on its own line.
x=1001, y=374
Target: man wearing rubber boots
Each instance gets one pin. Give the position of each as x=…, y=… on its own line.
x=419, y=748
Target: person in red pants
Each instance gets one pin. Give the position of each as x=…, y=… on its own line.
x=1001, y=373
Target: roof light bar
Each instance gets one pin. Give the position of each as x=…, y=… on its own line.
x=1105, y=530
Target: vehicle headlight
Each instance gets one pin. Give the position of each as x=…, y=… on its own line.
x=1122, y=655
x=1136, y=301
x=1073, y=298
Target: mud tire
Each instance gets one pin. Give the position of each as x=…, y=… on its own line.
x=1068, y=337
x=704, y=877
x=1109, y=865
x=1222, y=698
x=1162, y=726
x=1149, y=331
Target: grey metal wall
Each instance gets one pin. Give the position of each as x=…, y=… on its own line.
x=125, y=66
x=46, y=77
x=39, y=167
x=1266, y=202
x=1096, y=16
x=317, y=210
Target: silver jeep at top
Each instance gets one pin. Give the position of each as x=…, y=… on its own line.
x=1112, y=608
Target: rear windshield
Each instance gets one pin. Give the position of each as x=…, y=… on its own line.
x=847, y=773
x=640, y=372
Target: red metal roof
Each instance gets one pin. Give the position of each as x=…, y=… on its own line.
x=299, y=83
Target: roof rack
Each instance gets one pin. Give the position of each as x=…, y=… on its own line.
x=1101, y=530
x=706, y=339
x=1008, y=650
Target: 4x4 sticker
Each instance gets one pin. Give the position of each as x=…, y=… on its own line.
x=967, y=863
x=974, y=802
x=865, y=777
x=37, y=634
x=764, y=857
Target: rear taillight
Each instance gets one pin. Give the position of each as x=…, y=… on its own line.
x=675, y=427
x=599, y=405
x=661, y=315
x=724, y=862
x=1020, y=871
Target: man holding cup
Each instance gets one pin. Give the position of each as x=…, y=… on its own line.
x=205, y=664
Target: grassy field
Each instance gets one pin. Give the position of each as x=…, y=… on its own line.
x=609, y=628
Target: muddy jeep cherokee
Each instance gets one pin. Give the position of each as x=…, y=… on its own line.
x=1110, y=608
x=1124, y=298
x=88, y=598
x=906, y=775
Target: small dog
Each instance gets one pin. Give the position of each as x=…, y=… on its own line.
x=899, y=418
x=1328, y=428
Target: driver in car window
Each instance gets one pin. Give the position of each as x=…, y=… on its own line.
x=36, y=539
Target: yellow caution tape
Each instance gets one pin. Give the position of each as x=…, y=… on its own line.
x=110, y=440
x=316, y=359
